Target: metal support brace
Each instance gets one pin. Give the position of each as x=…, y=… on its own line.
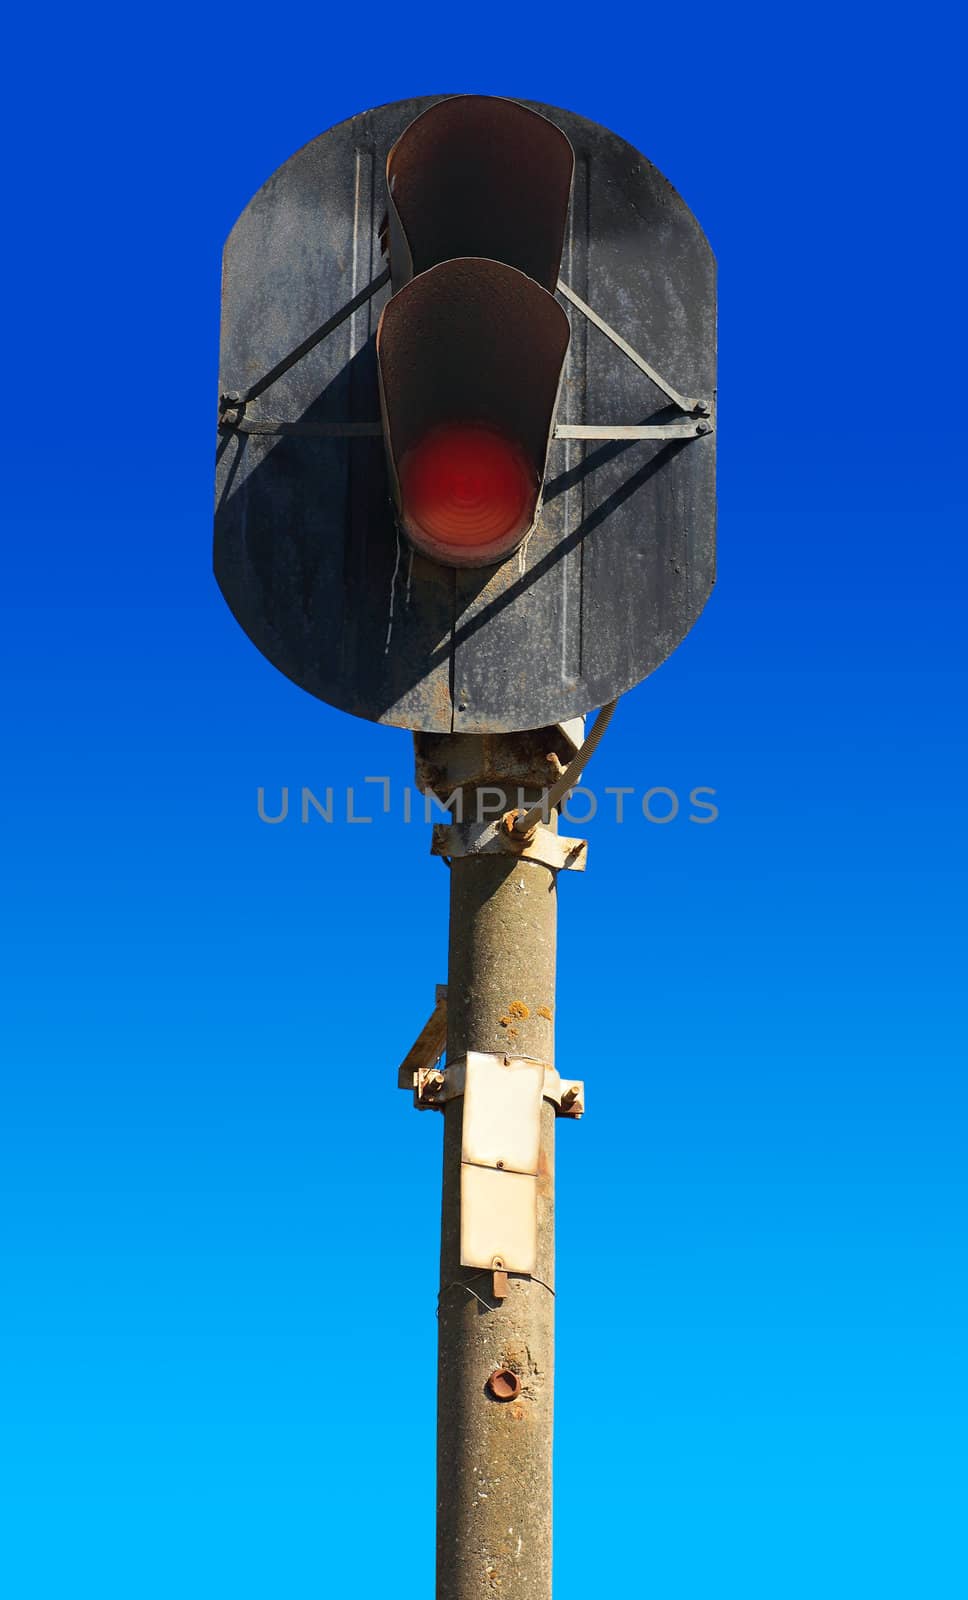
x=232, y=407
x=237, y=402
x=698, y=408
x=433, y=1085
x=429, y=1045
x=232, y=419
x=633, y=430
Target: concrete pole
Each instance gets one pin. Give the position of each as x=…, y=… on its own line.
x=494, y=1456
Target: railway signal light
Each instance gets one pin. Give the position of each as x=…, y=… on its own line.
x=463, y=483
x=472, y=343
x=471, y=492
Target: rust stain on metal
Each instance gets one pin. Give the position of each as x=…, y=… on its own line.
x=438, y=697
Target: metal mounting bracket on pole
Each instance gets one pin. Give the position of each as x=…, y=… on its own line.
x=498, y=838
x=433, y=1086
x=500, y=1142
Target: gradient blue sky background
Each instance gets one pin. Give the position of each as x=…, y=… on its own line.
x=219, y=1216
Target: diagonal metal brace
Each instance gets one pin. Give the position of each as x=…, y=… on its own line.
x=310, y=342
x=232, y=407
x=429, y=1045
x=686, y=403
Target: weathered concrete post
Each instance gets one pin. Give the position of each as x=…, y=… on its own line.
x=494, y=1489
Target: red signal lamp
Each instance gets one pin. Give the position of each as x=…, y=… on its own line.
x=468, y=493
x=471, y=343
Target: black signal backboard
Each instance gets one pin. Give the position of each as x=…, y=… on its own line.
x=306, y=551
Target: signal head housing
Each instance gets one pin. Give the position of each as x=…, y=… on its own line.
x=445, y=498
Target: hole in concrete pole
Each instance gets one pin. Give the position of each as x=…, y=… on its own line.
x=504, y=1384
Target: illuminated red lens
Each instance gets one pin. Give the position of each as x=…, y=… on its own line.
x=467, y=487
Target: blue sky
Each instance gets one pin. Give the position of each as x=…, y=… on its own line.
x=219, y=1216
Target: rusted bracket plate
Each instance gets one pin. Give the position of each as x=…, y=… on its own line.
x=493, y=838
x=433, y=1086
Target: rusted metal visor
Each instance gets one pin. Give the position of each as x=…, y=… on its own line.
x=470, y=358
x=479, y=176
